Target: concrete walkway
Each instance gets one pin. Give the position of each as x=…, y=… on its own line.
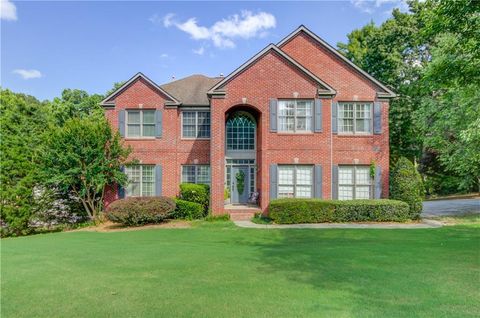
x=450, y=207
x=424, y=224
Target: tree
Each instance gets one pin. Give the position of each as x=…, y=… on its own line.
x=430, y=56
x=82, y=157
x=406, y=185
x=75, y=103
x=395, y=54
x=22, y=120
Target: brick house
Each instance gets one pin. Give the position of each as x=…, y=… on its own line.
x=296, y=120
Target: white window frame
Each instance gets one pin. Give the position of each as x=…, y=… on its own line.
x=295, y=180
x=141, y=181
x=295, y=131
x=196, y=124
x=196, y=174
x=141, y=123
x=354, y=184
x=355, y=132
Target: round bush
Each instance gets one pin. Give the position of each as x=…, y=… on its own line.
x=198, y=193
x=188, y=210
x=406, y=185
x=144, y=210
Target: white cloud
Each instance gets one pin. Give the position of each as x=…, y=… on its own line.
x=167, y=20
x=164, y=55
x=28, y=74
x=8, y=11
x=370, y=6
x=223, y=33
x=199, y=51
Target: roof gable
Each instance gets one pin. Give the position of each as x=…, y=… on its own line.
x=302, y=29
x=326, y=89
x=110, y=99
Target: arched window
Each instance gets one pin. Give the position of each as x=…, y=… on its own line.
x=240, y=132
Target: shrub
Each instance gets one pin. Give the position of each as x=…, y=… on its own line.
x=137, y=211
x=288, y=211
x=188, y=210
x=406, y=185
x=198, y=193
x=215, y=218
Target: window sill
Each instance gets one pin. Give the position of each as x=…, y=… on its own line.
x=141, y=138
x=304, y=133
x=354, y=135
x=193, y=139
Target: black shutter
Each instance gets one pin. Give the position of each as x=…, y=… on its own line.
x=318, y=115
x=273, y=181
x=335, y=182
x=318, y=181
x=334, y=117
x=121, y=190
x=273, y=114
x=158, y=123
x=121, y=123
x=158, y=180
x=378, y=182
x=377, y=118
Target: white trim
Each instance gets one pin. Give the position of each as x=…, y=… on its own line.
x=141, y=181
x=295, y=131
x=196, y=124
x=106, y=103
x=196, y=172
x=294, y=185
x=141, y=124
x=302, y=28
x=354, y=180
x=354, y=132
x=329, y=90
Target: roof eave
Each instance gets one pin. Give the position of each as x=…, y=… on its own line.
x=106, y=103
x=214, y=90
x=303, y=28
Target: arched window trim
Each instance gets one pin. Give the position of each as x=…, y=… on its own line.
x=251, y=142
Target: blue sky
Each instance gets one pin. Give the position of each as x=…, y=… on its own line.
x=49, y=46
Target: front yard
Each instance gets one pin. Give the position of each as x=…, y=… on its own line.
x=219, y=270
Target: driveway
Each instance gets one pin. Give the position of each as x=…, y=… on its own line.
x=450, y=207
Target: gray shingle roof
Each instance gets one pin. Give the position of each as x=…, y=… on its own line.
x=192, y=90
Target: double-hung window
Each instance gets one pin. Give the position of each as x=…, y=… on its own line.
x=196, y=124
x=141, y=180
x=355, y=118
x=196, y=174
x=295, y=115
x=354, y=182
x=295, y=181
x=140, y=123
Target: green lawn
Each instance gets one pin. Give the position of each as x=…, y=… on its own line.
x=219, y=270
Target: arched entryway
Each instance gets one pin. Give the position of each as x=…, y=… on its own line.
x=240, y=156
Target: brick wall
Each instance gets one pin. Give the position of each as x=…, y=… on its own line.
x=270, y=76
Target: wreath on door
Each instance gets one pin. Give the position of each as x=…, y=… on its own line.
x=240, y=177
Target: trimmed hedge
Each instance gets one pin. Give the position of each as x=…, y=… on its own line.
x=406, y=185
x=289, y=211
x=198, y=193
x=142, y=210
x=188, y=210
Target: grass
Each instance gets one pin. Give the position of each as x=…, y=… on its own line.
x=215, y=269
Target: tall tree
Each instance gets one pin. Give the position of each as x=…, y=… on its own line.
x=82, y=157
x=22, y=121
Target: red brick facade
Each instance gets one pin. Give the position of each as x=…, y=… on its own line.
x=270, y=75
